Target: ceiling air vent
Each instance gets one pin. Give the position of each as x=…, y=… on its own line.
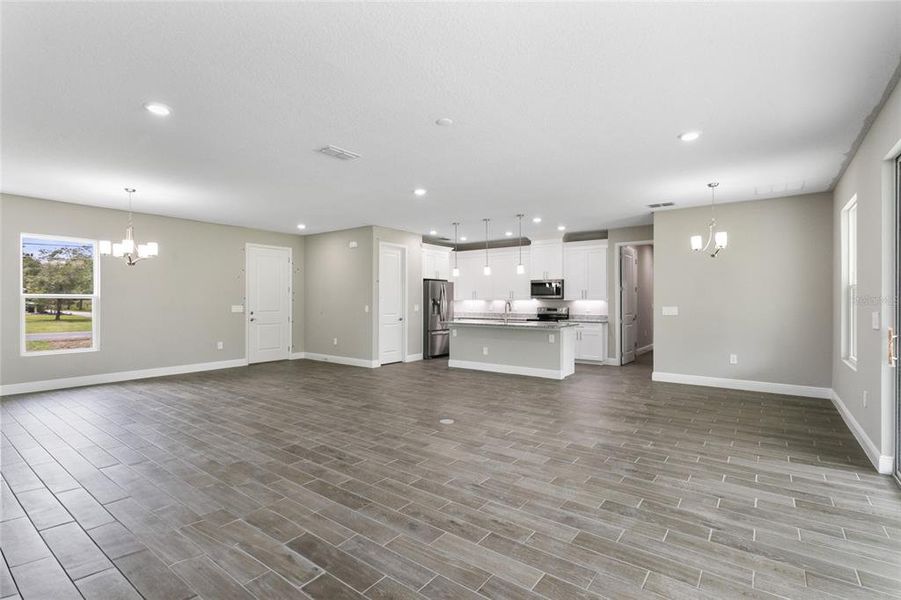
x=340, y=153
x=661, y=205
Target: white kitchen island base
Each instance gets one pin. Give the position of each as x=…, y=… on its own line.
x=516, y=348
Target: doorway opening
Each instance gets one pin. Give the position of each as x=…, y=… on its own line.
x=392, y=283
x=634, y=303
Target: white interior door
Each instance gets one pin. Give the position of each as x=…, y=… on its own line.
x=629, y=297
x=392, y=326
x=268, y=303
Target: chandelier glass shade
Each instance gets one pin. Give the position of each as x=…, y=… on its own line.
x=129, y=249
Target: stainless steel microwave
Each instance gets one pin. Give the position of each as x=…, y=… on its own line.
x=547, y=289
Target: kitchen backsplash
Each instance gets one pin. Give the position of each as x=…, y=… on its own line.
x=586, y=310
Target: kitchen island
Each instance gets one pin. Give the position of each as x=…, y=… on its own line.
x=533, y=348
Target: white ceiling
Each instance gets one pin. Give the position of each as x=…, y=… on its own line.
x=567, y=111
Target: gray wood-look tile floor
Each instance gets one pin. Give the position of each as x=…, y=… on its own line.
x=303, y=479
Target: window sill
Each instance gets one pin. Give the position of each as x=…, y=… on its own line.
x=54, y=352
x=851, y=364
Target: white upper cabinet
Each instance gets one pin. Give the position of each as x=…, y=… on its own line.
x=466, y=285
x=503, y=283
x=546, y=259
x=435, y=262
x=585, y=271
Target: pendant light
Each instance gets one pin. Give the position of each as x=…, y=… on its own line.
x=520, y=268
x=456, y=270
x=487, y=269
x=128, y=248
x=719, y=239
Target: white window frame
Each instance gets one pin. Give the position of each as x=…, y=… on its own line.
x=94, y=298
x=849, y=304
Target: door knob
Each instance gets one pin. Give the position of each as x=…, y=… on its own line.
x=252, y=319
x=400, y=318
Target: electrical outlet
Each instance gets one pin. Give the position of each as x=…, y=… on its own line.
x=550, y=338
x=454, y=332
x=485, y=350
x=866, y=397
x=335, y=342
x=219, y=345
x=733, y=359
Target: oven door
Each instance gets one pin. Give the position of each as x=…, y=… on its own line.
x=547, y=289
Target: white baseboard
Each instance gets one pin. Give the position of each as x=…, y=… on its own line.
x=413, y=357
x=749, y=385
x=82, y=380
x=582, y=361
x=508, y=369
x=342, y=360
x=882, y=462
x=644, y=349
x=297, y=355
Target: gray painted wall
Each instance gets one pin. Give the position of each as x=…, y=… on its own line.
x=645, y=294
x=766, y=298
x=162, y=312
x=870, y=176
x=614, y=237
x=339, y=285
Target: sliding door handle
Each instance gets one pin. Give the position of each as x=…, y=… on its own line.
x=892, y=347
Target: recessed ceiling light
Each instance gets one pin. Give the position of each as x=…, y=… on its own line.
x=462, y=238
x=508, y=233
x=444, y=122
x=433, y=232
x=689, y=136
x=446, y=421
x=158, y=108
x=420, y=192
x=301, y=226
x=536, y=219
x=561, y=227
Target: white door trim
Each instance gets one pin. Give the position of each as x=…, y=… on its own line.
x=616, y=359
x=378, y=308
x=247, y=246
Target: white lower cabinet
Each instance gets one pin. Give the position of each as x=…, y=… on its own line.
x=591, y=342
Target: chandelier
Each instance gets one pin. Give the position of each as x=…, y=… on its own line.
x=718, y=239
x=128, y=248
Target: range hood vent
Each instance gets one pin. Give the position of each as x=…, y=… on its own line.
x=339, y=153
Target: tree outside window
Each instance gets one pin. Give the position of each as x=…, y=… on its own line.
x=59, y=294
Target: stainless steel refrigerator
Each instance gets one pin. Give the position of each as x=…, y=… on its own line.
x=438, y=310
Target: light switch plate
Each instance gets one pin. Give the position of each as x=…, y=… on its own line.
x=874, y=320
x=351, y=244
x=366, y=308
x=454, y=332
x=670, y=311
x=550, y=338
x=237, y=308
x=415, y=308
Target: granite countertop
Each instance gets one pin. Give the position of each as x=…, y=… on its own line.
x=516, y=323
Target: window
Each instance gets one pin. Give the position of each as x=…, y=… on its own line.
x=849, y=283
x=60, y=292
